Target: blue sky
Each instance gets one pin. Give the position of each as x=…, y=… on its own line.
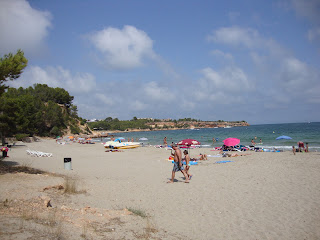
x=250, y=60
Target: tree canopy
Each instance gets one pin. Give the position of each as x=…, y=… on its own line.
x=38, y=110
x=11, y=67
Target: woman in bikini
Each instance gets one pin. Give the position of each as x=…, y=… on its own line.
x=186, y=154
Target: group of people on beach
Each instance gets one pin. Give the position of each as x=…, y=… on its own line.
x=178, y=165
x=301, y=148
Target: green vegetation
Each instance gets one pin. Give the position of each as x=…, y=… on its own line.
x=188, y=120
x=156, y=124
x=116, y=124
x=137, y=212
x=11, y=67
x=38, y=110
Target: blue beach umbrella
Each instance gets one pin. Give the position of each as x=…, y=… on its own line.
x=283, y=137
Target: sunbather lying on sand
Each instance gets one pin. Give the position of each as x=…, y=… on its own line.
x=229, y=154
x=203, y=157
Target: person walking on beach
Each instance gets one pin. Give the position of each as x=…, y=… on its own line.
x=177, y=164
x=187, y=157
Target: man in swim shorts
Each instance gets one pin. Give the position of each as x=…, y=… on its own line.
x=177, y=164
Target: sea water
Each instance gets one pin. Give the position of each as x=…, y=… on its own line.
x=305, y=132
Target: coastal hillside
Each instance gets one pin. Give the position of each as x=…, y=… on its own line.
x=149, y=124
x=183, y=124
x=39, y=111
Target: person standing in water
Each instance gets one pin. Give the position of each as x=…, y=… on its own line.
x=165, y=141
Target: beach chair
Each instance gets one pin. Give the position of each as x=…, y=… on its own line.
x=32, y=153
x=43, y=154
x=38, y=153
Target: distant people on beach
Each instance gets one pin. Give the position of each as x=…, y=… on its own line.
x=213, y=140
x=229, y=154
x=165, y=141
x=226, y=148
x=307, y=147
x=294, y=150
x=260, y=140
x=252, y=142
x=203, y=157
x=187, y=158
x=177, y=164
x=300, y=146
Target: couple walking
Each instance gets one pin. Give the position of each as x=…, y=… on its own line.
x=178, y=165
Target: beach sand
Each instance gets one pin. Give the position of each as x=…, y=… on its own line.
x=263, y=195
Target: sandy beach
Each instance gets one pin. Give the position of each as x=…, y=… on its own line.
x=263, y=195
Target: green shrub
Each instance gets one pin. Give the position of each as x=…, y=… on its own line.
x=55, y=131
x=21, y=136
x=75, y=129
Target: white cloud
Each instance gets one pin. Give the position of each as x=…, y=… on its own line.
x=56, y=77
x=102, y=98
x=279, y=73
x=22, y=27
x=137, y=105
x=220, y=87
x=231, y=79
x=296, y=76
x=220, y=54
x=246, y=37
x=236, y=36
x=155, y=92
x=123, y=48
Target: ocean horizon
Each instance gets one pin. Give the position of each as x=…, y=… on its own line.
x=305, y=132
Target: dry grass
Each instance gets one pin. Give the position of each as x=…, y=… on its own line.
x=25, y=168
x=71, y=186
x=137, y=212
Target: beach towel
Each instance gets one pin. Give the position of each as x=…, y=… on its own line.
x=190, y=162
x=223, y=161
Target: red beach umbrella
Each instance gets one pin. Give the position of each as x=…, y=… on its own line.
x=188, y=142
x=231, y=141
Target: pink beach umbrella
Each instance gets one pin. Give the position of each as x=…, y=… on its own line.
x=231, y=141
